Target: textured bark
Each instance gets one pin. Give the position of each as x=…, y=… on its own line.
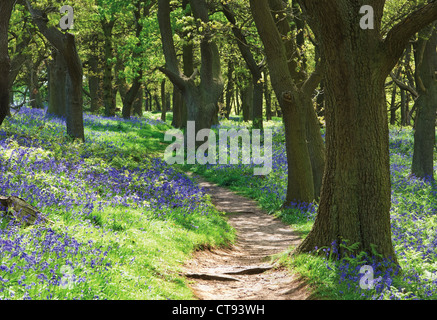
x=163, y=101
x=229, y=89
x=268, y=97
x=305, y=148
x=355, y=197
x=138, y=103
x=22, y=211
x=57, y=85
x=6, y=7
x=136, y=83
x=254, y=68
x=94, y=83
x=66, y=45
x=300, y=185
x=108, y=102
x=426, y=105
x=177, y=108
x=247, y=101
x=201, y=100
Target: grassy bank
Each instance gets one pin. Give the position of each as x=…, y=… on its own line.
x=124, y=221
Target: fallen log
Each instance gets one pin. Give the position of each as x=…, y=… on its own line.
x=22, y=211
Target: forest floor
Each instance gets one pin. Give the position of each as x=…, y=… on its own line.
x=245, y=270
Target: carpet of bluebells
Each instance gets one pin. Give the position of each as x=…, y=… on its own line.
x=413, y=221
x=91, y=191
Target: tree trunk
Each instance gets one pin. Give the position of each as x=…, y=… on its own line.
x=108, y=101
x=247, y=101
x=148, y=98
x=294, y=94
x=6, y=7
x=138, y=103
x=229, y=89
x=268, y=97
x=355, y=198
x=201, y=101
x=66, y=45
x=300, y=185
x=94, y=82
x=426, y=105
x=163, y=101
x=57, y=85
x=393, y=100
x=255, y=70
x=177, y=108
x=257, y=104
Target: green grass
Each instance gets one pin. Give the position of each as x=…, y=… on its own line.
x=145, y=247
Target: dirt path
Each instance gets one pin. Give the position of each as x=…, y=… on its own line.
x=216, y=274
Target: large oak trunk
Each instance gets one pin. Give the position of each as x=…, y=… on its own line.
x=355, y=197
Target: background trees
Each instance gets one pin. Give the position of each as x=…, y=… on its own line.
x=204, y=59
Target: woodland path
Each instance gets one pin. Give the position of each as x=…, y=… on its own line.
x=243, y=271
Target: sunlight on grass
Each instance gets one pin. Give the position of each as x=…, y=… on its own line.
x=124, y=222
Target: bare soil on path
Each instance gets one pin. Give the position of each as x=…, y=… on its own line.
x=244, y=271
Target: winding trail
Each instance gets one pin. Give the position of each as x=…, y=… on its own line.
x=243, y=271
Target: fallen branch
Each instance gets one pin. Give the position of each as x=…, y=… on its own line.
x=22, y=211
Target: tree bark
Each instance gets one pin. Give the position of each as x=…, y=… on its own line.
x=57, y=85
x=163, y=101
x=303, y=138
x=355, y=197
x=136, y=83
x=66, y=45
x=108, y=101
x=138, y=103
x=94, y=82
x=254, y=68
x=6, y=7
x=300, y=185
x=426, y=105
x=177, y=108
x=201, y=100
x=229, y=89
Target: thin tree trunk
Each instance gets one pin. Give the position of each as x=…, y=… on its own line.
x=201, y=100
x=108, y=101
x=94, y=83
x=300, y=186
x=66, y=45
x=229, y=89
x=163, y=101
x=177, y=108
x=57, y=85
x=268, y=97
x=426, y=105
